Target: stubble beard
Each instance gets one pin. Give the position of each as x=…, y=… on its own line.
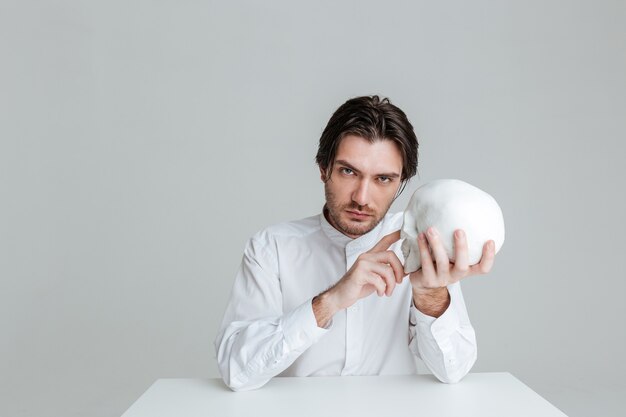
x=335, y=210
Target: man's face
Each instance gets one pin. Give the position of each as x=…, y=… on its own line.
x=362, y=185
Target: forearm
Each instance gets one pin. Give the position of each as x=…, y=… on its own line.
x=243, y=351
x=432, y=302
x=250, y=353
x=449, y=356
x=446, y=344
x=324, y=308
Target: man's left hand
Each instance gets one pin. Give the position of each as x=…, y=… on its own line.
x=430, y=281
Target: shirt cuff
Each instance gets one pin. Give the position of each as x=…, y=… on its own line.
x=300, y=327
x=442, y=327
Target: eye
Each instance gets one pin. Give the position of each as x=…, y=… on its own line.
x=346, y=171
x=384, y=179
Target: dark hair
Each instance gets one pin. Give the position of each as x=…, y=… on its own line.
x=373, y=119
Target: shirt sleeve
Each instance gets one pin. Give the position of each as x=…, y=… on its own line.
x=446, y=344
x=257, y=340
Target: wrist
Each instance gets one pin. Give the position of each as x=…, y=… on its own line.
x=428, y=292
x=324, y=307
x=431, y=301
x=329, y=298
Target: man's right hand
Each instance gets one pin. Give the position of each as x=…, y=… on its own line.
x=377, y=270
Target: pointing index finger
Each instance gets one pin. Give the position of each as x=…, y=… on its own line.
x=384, y=243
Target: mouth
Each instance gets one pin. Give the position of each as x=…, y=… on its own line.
x=358, y=214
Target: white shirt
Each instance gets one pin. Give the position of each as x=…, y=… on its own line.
x=269, y=328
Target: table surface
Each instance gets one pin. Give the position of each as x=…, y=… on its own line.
x=478, y=394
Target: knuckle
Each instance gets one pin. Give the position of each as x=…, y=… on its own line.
x=431, y=283
x=390, y=254
x=461, y=274
x=360, y=261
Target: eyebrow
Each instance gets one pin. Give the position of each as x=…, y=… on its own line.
x=348, y=165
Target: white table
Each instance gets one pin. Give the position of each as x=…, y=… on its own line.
x=478, y=394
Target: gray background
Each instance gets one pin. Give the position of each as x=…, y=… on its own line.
x=143, y=142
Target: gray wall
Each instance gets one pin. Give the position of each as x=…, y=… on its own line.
x=143, y=142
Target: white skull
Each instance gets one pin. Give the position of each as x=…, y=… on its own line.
x=448, y=205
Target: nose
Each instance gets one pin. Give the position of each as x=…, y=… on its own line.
x=361, y=194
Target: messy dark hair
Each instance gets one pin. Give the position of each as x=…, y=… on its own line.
x=374, y=119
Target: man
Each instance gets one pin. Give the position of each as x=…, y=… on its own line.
x=327, y=295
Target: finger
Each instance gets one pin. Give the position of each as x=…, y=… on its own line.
x=389, y=257
x=461, y=257
x=487, y=259
x=439, y=252
x=428, y=269
x=378, y=282
x=386, y=272
x=384, y=243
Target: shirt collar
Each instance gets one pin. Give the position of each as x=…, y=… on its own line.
x=363, y=242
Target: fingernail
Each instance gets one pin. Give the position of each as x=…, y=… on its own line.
x=431, y=232
x=459, y=234
x=421, y=237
